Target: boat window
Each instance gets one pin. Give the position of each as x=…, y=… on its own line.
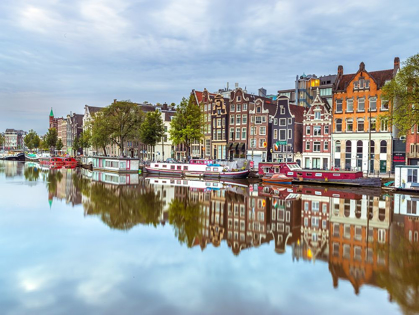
x=156, y=165
x=318, y=175
x=185, y=168
x=309, y=174
x=172, y=167
x=164, y=165
x=290, y=173
x=208, y=169
x=215, y=169
x=299, y=174
x=179, y=167
x=336, y=174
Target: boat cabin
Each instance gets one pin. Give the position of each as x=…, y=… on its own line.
x=116, y=164
x=406, y=177
x=200, y=161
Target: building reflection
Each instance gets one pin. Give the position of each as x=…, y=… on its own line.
x=365, y=239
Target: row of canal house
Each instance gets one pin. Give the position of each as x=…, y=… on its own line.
x=255, y=127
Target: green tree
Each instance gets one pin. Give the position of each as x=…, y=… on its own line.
x=122, y=121
x=86, y=139
x=403, y=90
x=1, y=139
x=100, y=135
x=43, y=144
x=59, y=144
x=187, y=125
x=31, y=139
x=51, y=138
x=152, y=128
x=76, y=145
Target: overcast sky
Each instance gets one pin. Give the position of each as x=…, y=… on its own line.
x=65, y=54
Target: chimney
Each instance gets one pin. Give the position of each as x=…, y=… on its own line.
x=340, y=71
x=396, y=66
x=362, y=66
x=262, y=92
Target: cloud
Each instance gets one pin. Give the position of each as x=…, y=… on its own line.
x=66, y=54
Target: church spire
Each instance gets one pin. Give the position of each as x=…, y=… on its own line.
x=51, y=113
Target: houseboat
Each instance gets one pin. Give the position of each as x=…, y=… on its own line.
x=115, y=164
x=335, y=177
x=51, y=161
x=201, y=161
x=69, y=161
x=195, y=170
x=406, y=177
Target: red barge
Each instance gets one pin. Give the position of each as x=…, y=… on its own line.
x=333, y=177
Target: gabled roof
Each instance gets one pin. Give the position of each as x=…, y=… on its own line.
x=94, y=109
x=297, y=111
x=379, y=77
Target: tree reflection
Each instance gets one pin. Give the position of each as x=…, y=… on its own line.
x=402, y=278
x=31, y=173
x=186, y=217
x=53, y=178
x=121, y=207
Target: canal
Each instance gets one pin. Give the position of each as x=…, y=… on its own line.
x=79, y=242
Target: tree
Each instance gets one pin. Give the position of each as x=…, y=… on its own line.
x=59, y=144
x=76, y=145
x=152, y=128
x=100, y=135
x=187, y=125
x=31, y=140
x=86, y=138
x=51, y=138
x=122, y=121
x=2, y=140
x=403, y=90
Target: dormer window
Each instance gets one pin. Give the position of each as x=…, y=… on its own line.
x=317, y=115
x=258, y=109
x=238, y=98
x=282, y=110
x=356, y=85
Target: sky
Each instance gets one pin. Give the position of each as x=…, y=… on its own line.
x=65, y=54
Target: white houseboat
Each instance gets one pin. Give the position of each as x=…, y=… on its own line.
x=115, y=164
x=406, y=177
x=195, y=170
x=115, y=178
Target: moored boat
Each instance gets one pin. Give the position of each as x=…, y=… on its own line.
x=70, y=161
x=16, y=157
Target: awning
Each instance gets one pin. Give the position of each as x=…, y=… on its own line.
x=243, y=147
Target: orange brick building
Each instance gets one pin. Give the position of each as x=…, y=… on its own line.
x=357, y=108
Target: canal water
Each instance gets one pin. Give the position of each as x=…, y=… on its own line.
x=79, y=242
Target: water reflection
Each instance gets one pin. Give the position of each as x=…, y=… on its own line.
x=362, y=239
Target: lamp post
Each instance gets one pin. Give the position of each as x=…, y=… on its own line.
x=369, y=144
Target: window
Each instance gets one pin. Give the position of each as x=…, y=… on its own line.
x=317, y=130
x=289, y=121
x=282, y=110
x=326, y=145
x=275, y=121
x=219, y=122
x=326, y=129
x=232, y=108
x=316, y=146
x=383, y=146
x=261, y=143
x=336, y=229
x=275, y=134
x=349, y=125
x=384, y=125
x=349, y=105
x=356, y=85
x=282, y=122
x=232, y=120
x=360, y=125
x=361, y=104
x=314, y=221
x=315, y=206
x=338, y=106
x=244, y=106
x=282, y=134
x=307, y=130
x=258, y=109
x=253, y=131
x=307, y=146
x=238, y=98
x=244, y=119
x=289, y=134
x=238, y=120
x=231, y=133
x=358, y=233
x=239, y=107
x=264, y=119
x=357, y=253
x=253, y=143
x=237, y=133
x=347, y=231
x=373, y=104
x=337, y=146
x=384, y=105
x=373, y=125
x=336, y=249
x=305, y=221
x=244, y=133
x=317, y=115
x=258, y=120
x=262, y=131
x=338, y=124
